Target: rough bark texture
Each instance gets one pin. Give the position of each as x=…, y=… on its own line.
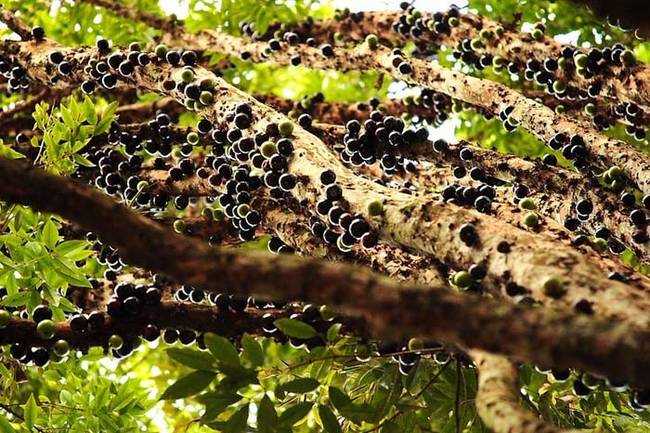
x=629, y=84
x=15, y=24
x=498, y=398
x=493, y=97
x=545, y=337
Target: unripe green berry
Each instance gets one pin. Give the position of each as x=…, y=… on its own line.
x=528, y=203
x=590, y=109
x=559, y=86
x=476, y=44
x=243, y=210
x=61, y=347
x=326, y=313
x=560, y=109
x=372, y=41
x=531, y=219
x=143, y=185
x=286, y=128
x=187, y=75
x=218, y=214
x=615, y=172
x=179, y=226
x=628, y=58
x=375, y=208
x=462, y=279
x=115, y=341
x=268, y=149
x=600, y=244
x=618, y=185
x=561, y=63
x=499, y=30
x=206, y=97
x=338, y=36
x=192, y=138
x=486, y=34
x=415, y=344
x=5, y=318
x=161, y=50
x=580, y=60
x=45, y=329
x=498, y=62
x=206, y=213
x=537, y=34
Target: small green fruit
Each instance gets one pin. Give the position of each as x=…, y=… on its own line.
x=218, y=214
x=45, y=329
x=5, y=318
x=192, y=138
x=476, y=44
x=143, y=185
x=528, y=203
x=559, y=86
x=580, y=60
x=415, y=344
x=628, y=58
x=188, y=75
x=115, y=341
x=618, y=185
x=462, y=279
x=286, y=128
x=206, y=97
x=453, y=22
x=372, y=41
x=179, y=226
x=61, y=347
x=268, y=149
x=486, y=34
x=537, y=34
x=600, y=244
x=375, y=208
x=615, y=172
x=161, y=50
x=498, y=62
x=499, y=30
x=553, y=288
x=243, y=210
x=326, y=313
x=590, y=109
x=531, y=219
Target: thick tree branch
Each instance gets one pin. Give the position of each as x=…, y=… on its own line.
x=591, y=344
x=15, y=24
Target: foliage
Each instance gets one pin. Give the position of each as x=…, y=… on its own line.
x=255, y=383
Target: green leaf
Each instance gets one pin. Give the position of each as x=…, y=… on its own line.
x=295, y=413
x=216, y=402
x=50, y=234
x=327, y=417
x=295, y=328
x=267, y=417
x=17, y=299
x=334, y=331
x=30, y=412
x=5, y=426
x=222, y=349
x=192, y=358
x=252, y=350
x=238, y=422
x=339, y=399
x=301, y=385
x=9, y=153
x=188, y=385
x=70, y=272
